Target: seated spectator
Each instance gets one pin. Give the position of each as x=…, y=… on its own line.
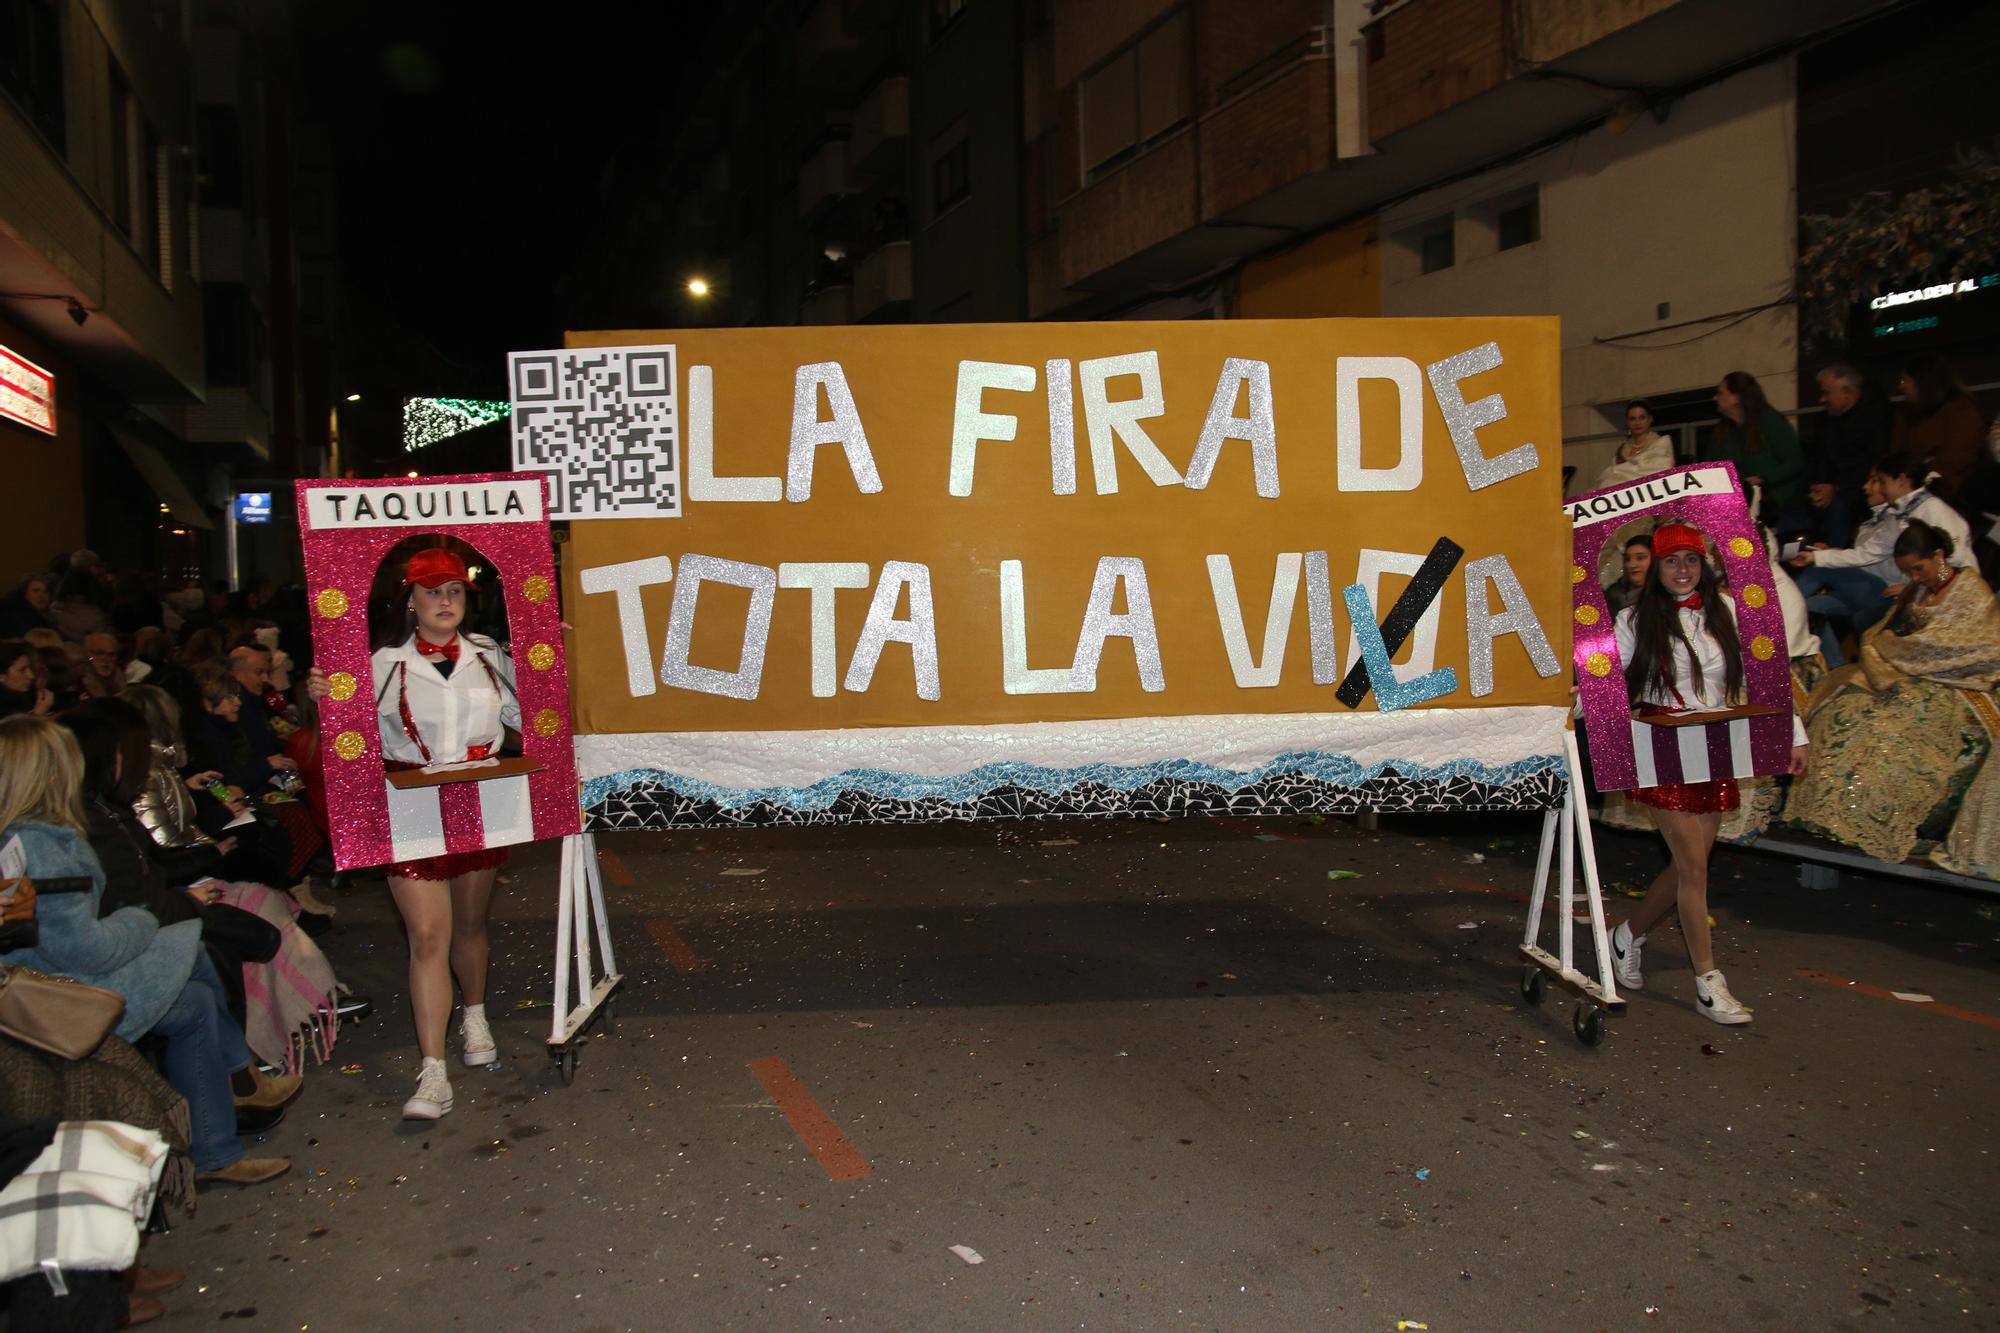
x=1897, y=735
x=57, y=675
x=1755, y=437
x=1643, y=451
x=245, y=755
x=20, y=691
x=170, y=989
x=1852, y=434
x=103, y=674
x=1940, y=428
x=279, y=985
x=1638, y=559
x=26, y=608
x=78, y=610
x=1855, y=583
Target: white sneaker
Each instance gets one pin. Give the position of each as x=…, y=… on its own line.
x=1625, y=947
x=1713, y=1001
x=432, y=1099
x=478, y=1040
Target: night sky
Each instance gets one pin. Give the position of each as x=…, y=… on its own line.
x=469, y=141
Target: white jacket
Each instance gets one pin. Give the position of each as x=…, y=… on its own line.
x=1636, y=459
x=1874, y=546
x=452, y=713
x=1710, y=696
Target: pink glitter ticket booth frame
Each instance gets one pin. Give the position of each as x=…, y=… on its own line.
x=504, y=517
x=1626, y=754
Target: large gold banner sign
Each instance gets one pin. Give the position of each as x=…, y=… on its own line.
x=946, y=572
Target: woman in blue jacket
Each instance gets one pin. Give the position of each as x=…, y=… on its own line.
x=169, y=986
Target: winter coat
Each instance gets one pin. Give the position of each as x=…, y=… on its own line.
x=128, y=951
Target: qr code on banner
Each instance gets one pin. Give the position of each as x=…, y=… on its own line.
x=604, y=424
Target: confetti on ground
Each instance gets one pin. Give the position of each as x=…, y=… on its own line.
x=1058, y=842
x=1468, y=925
x=967, y=1253
x=534, y=1004
x=1268, y=837
x=744, y=870
x=1475, y=858
x=1913, y=996
x=1406, y=1325
x=1343, y=874
x=350, y=1069
x=1423, y=1173
x=1579, y=1133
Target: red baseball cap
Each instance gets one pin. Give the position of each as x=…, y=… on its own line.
x=434, y=567
x=1671, y=537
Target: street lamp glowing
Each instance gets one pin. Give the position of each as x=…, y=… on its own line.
x=411, y=475
x=697, y=286
x=353, y=397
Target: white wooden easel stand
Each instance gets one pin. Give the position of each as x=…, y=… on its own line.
x=1597, y=997
x=581, y=900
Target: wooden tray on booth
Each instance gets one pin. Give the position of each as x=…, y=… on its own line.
x=508, y=766
x=1705, y=719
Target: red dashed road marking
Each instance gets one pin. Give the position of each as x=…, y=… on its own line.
x=670, y=942
x=1879, y=993
x=815, y=1128
x=615, y=868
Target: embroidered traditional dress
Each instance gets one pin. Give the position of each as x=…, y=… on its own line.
x=1900, y=738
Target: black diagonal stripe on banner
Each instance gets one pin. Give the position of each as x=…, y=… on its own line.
x=1404, y=615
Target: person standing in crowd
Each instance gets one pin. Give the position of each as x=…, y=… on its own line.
x=442, y=697
x=103, y=674
x=20, y=691
x=1681, y=652
x=78, y=609
x=1940, y=427
x=26, y=608
x=1762, y=444
x=1643, y=452
x=1638, y=558
x=1851, y=436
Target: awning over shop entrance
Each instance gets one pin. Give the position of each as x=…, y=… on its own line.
x=164, y=481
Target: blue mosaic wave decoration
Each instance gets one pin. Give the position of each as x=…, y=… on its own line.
x=1300, y=783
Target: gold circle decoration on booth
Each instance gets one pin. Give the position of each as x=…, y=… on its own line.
x=350, y=745
x=1740, y=547
x=548, y=722
x=1586, y=615
x=1598, y=664
x=1754, y=597
x=541, y=657
x=1576, y=574
x=340, y=687
x=331, y=603
x=535, y=588
x=1761, y=648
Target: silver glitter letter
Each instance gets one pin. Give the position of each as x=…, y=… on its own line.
x=1423, y=640
x=822, y=578
x=1408, y=473
x=1222, y=424
x=1277, y=619
x=703, y=484
x=970, y=423
x=1062, y=426
x=919, y=631
x=742, y=683
x=626, y=579
x=809, y=432
x=1319, y=619
x=1482, y=627
x=1017, y=677
x=1463, y=419
x=1135, y=624
x=1104, y=419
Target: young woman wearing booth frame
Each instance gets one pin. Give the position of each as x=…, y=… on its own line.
x=442, y=697
x=1681, y=651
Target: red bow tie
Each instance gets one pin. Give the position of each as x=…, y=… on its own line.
x=1691, y=602
x=448, y=651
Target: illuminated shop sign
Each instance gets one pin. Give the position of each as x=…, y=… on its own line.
x=1959, y=287
x=253, y=506
x=27, y=392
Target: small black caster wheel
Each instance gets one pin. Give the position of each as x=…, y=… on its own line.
x=1589, y=1024
x=1534, y=984
x=566, y=1065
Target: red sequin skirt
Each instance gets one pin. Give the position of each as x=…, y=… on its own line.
x=1717, y=796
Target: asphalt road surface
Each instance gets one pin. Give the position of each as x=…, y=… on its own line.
x=1154, y=1076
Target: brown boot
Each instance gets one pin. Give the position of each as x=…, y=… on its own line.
x=247, y=1171
x=141, y=1310
x=270, y=1089
x=146, y=1281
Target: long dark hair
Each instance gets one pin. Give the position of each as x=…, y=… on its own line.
x=1745, y=386
x=1935, y=383
x=106, y=730
x=1656, y=632
x=1921, y=541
